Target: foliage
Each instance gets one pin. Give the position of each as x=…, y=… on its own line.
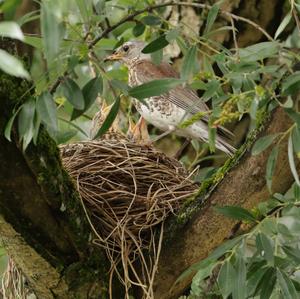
x=69, y=73
x=262, y=263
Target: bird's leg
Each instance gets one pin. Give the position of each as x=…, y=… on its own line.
x=169, y=131
x=182, y=148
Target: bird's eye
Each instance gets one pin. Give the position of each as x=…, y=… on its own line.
x=125, y=48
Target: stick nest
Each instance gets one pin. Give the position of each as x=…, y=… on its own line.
x=126, y=189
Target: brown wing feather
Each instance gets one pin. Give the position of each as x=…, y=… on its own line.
x=183, y=97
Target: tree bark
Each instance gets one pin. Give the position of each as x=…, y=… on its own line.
x=198, y=229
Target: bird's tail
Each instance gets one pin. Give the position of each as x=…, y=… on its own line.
x=224, y=146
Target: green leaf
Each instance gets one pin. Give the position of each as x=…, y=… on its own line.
x=11, y=29
x=189, y=62
x=172, y=34
x=267, y=284
x=73, y=93
x=296, y=140
x=239, y=284
x=72, y=124
x=293, y=253
x=86, y=9
x=63, y=137
x=217, y=253
x=8, y=127
x=283, y=24
x=271, y=163
x=265, y=247
x=12, y=66
x=212, y=134
x=200, y=275
x=291, y=85
x=155, y=45
x=26, y=122
x=109, y=119
x=151, y=20
x=34, y=41
x=138, y=29
x=226, y=278
x=46, y=109
x=90, y=92
x=259, y=51
x=157, y=57
x=286, y=286
x=292, y=161
x=294, y=115
x=212, y=15
x=154, y=88
x=262, y=143
x=236, y=212
x=52, y=30
x=254, y=280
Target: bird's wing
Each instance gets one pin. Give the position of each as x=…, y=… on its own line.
x=183, y=97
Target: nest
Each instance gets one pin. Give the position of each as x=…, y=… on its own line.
x=127, y=190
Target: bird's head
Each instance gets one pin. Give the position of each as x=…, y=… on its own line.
x=128, y=52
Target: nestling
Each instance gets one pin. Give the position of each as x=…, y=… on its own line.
x=168, y=110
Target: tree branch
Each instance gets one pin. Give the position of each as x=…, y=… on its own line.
x=199, y=229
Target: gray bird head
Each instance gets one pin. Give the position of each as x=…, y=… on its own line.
x=129, y=52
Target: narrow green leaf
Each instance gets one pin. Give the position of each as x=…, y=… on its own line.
x=239, y=284
x=109, y=119
x=262, y=143
x=8, y=127
x=73, y=93
x=283, y=24
x=226, y=278
x=254, y=280
x=11, y=29
x=271, y=163
x=26, y=122
x=294, y=115
x=292, y=161
x=217, y=253
x=154, y=88
x=212, y=15
x=201, y=275
x=12, y=66
x=189, y=62
x=52, y=30
x=267, y=283
x=86, y=9
x=293, y=253
x=291, y=85
x=296, y=140
x=265, y=246
x=151, y=20
x=90, y=92
x=259, y=51
x=172, y=34
x=212, y=134
x=25, y=117
x=72, y=124
x=287, y=287
x=138, y=29
x=34, y=41
x=46, y=109
x=157, y=57
x=155, y=45
x=236, y=212
x=63, y=137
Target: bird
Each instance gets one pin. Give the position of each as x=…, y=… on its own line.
x=167, y=111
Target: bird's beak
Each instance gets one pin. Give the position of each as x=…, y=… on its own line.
x=114, y=56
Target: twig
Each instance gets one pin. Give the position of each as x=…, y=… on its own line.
x=126, y=19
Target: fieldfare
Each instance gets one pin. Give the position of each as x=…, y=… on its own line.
x=168, y=110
